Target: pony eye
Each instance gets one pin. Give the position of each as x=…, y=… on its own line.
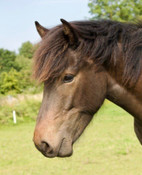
x=68, y=78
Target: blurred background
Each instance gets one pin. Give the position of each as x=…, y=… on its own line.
x=109, y=145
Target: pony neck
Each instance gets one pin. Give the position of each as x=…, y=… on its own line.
x=123, y=98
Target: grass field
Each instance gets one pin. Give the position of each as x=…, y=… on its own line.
x=107, y=147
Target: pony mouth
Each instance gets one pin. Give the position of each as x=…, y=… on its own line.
x=65, y=149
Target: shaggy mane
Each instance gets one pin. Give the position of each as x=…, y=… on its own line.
x=98, y=41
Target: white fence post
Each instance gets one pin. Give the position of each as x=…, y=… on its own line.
x=14, y=117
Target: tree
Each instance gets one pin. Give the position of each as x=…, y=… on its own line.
x=23, y=63
x=13, y=82
x=7, y=60
x=10, y=82
x=122, y=10
x=27, y=50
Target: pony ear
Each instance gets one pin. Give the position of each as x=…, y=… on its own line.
x=41, y=30
x=70, y=33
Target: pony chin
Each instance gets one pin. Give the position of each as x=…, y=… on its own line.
x=66, y=149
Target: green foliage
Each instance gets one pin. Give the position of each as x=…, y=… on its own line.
x=7, y=60
x=10, y=82
x=122, y=10
x=14, y=82
x=27, y=50
x=16, y=70
x=23, y=62
x=26, y=110
x=25, y=65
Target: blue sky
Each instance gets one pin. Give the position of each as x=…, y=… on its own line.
x=17, y=18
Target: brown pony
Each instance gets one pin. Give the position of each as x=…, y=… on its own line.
x=81, y=64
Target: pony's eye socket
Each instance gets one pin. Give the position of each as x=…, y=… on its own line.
x=68, y=78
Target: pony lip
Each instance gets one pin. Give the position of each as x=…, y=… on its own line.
x=61, y=145
x=46, y=154
x=62, y=152
x=49, y=155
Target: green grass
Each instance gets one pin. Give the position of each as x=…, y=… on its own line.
x=107, y=147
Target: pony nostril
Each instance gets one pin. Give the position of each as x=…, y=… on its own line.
x=46, y=148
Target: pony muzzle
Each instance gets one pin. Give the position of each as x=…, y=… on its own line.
x=53, y=148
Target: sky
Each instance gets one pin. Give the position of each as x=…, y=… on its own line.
x=17, y=18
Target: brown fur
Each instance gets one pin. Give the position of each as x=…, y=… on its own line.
x=104, y=59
